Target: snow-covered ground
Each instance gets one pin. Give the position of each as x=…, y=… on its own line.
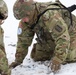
x=28, y=66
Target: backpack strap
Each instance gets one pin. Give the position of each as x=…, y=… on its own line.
x=38, y=17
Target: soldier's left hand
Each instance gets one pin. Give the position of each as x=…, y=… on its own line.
x=55, y=65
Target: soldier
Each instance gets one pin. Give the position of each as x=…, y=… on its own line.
x=4, y=68
x=55, y=28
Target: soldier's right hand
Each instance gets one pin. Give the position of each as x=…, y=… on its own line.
x=55, y=64
x=14, y=64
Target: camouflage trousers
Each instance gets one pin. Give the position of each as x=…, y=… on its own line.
x=4, y=68
x=42, y=52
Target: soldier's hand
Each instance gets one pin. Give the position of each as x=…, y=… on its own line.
x=14, y=64
x=1, y=22
x=55, y=65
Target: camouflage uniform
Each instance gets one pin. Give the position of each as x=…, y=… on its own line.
x=4, y=69
x=55, y=37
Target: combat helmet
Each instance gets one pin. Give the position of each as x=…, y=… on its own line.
x=21, y=8
x=3, y=10
x=58, y=1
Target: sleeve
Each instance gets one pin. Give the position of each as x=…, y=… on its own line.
x=59, y=31
x=24, y=41
x=26, y=34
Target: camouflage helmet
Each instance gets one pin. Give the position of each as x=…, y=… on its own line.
x=3, y=10
x=57, y=0
x=21, y=7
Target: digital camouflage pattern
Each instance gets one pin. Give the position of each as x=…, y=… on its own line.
x=3, y=9
x=56, y=39
x=4, y=68
x=19, y=6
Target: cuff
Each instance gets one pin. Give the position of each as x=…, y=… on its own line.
x=57, y=59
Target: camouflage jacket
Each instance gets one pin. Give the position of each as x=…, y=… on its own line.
x=3, y=16
x=51, y=27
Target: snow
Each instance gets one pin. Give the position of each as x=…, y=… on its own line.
x=28, y=66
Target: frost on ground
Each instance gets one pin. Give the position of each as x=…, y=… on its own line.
x=29, y=67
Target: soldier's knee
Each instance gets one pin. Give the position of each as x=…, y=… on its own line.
x=41, y=56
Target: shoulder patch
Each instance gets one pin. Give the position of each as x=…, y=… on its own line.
x=58, y=29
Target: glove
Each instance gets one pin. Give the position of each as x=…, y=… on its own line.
x=14, y=64
x=55, y=64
